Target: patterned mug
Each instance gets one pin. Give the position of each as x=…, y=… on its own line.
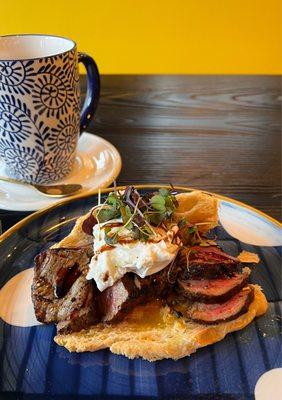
x=40, y=118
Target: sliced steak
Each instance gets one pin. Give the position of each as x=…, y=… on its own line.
x=131, y=290
x=60, y=291
x=117, y=300
x=215, y=313
x=62, y=294
x=79, y=309
x=206, y=263
x=214, y=290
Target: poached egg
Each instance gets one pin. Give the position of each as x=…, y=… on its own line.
x=111, y=262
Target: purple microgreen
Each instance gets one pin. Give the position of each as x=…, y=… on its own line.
x=138, y=213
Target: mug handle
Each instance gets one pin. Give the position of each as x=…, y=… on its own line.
x=93, y=90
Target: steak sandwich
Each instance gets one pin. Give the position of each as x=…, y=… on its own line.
x=138, y=275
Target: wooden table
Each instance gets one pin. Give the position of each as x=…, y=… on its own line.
x=218, y=133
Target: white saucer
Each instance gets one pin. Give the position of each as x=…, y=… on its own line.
x=97, y=165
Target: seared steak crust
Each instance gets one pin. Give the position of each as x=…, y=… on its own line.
x=206, y=263
x=62, y=294
x=60, y=291
x=209, y=289
x=213, y=290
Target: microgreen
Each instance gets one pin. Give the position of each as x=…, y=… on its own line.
x=182, y=223
x=139, y=214
x=164, y=203
x=126, y=215
x=145, y=232
x=190, y=235
x=164, y=192
x=158, y=203
x=110, y=209
x=107, y=213
x=110, y=239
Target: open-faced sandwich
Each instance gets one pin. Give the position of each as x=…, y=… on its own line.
x=139, y=275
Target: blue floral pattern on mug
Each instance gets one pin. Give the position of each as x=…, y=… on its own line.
x=17, y=76
x=52, y=92
x=21, y=160
x=63, y=138
x=15, y=120
x=56, y=168
x=39, y=116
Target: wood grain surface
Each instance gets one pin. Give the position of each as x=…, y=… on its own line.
x=217, y=133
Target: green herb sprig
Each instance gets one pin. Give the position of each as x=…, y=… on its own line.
x=190, y=235
x=139, y=214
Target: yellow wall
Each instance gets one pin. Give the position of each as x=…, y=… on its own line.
x=160, y=36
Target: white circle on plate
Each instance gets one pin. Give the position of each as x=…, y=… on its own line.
x=248, y=226
x=97, y=165
x=269, y=385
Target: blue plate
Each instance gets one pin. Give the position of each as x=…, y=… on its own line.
x=32, y=366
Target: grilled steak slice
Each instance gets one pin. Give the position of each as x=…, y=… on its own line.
x=60, y=291
x=214, y=290
x=131, y=290
x=79, y=308
x=207, y=263
x=117, y=300
x=215, y=313
x=62, y=294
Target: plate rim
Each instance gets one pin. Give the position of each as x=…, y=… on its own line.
x=45, y=210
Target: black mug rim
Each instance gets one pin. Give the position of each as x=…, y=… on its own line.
x=39, y=34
